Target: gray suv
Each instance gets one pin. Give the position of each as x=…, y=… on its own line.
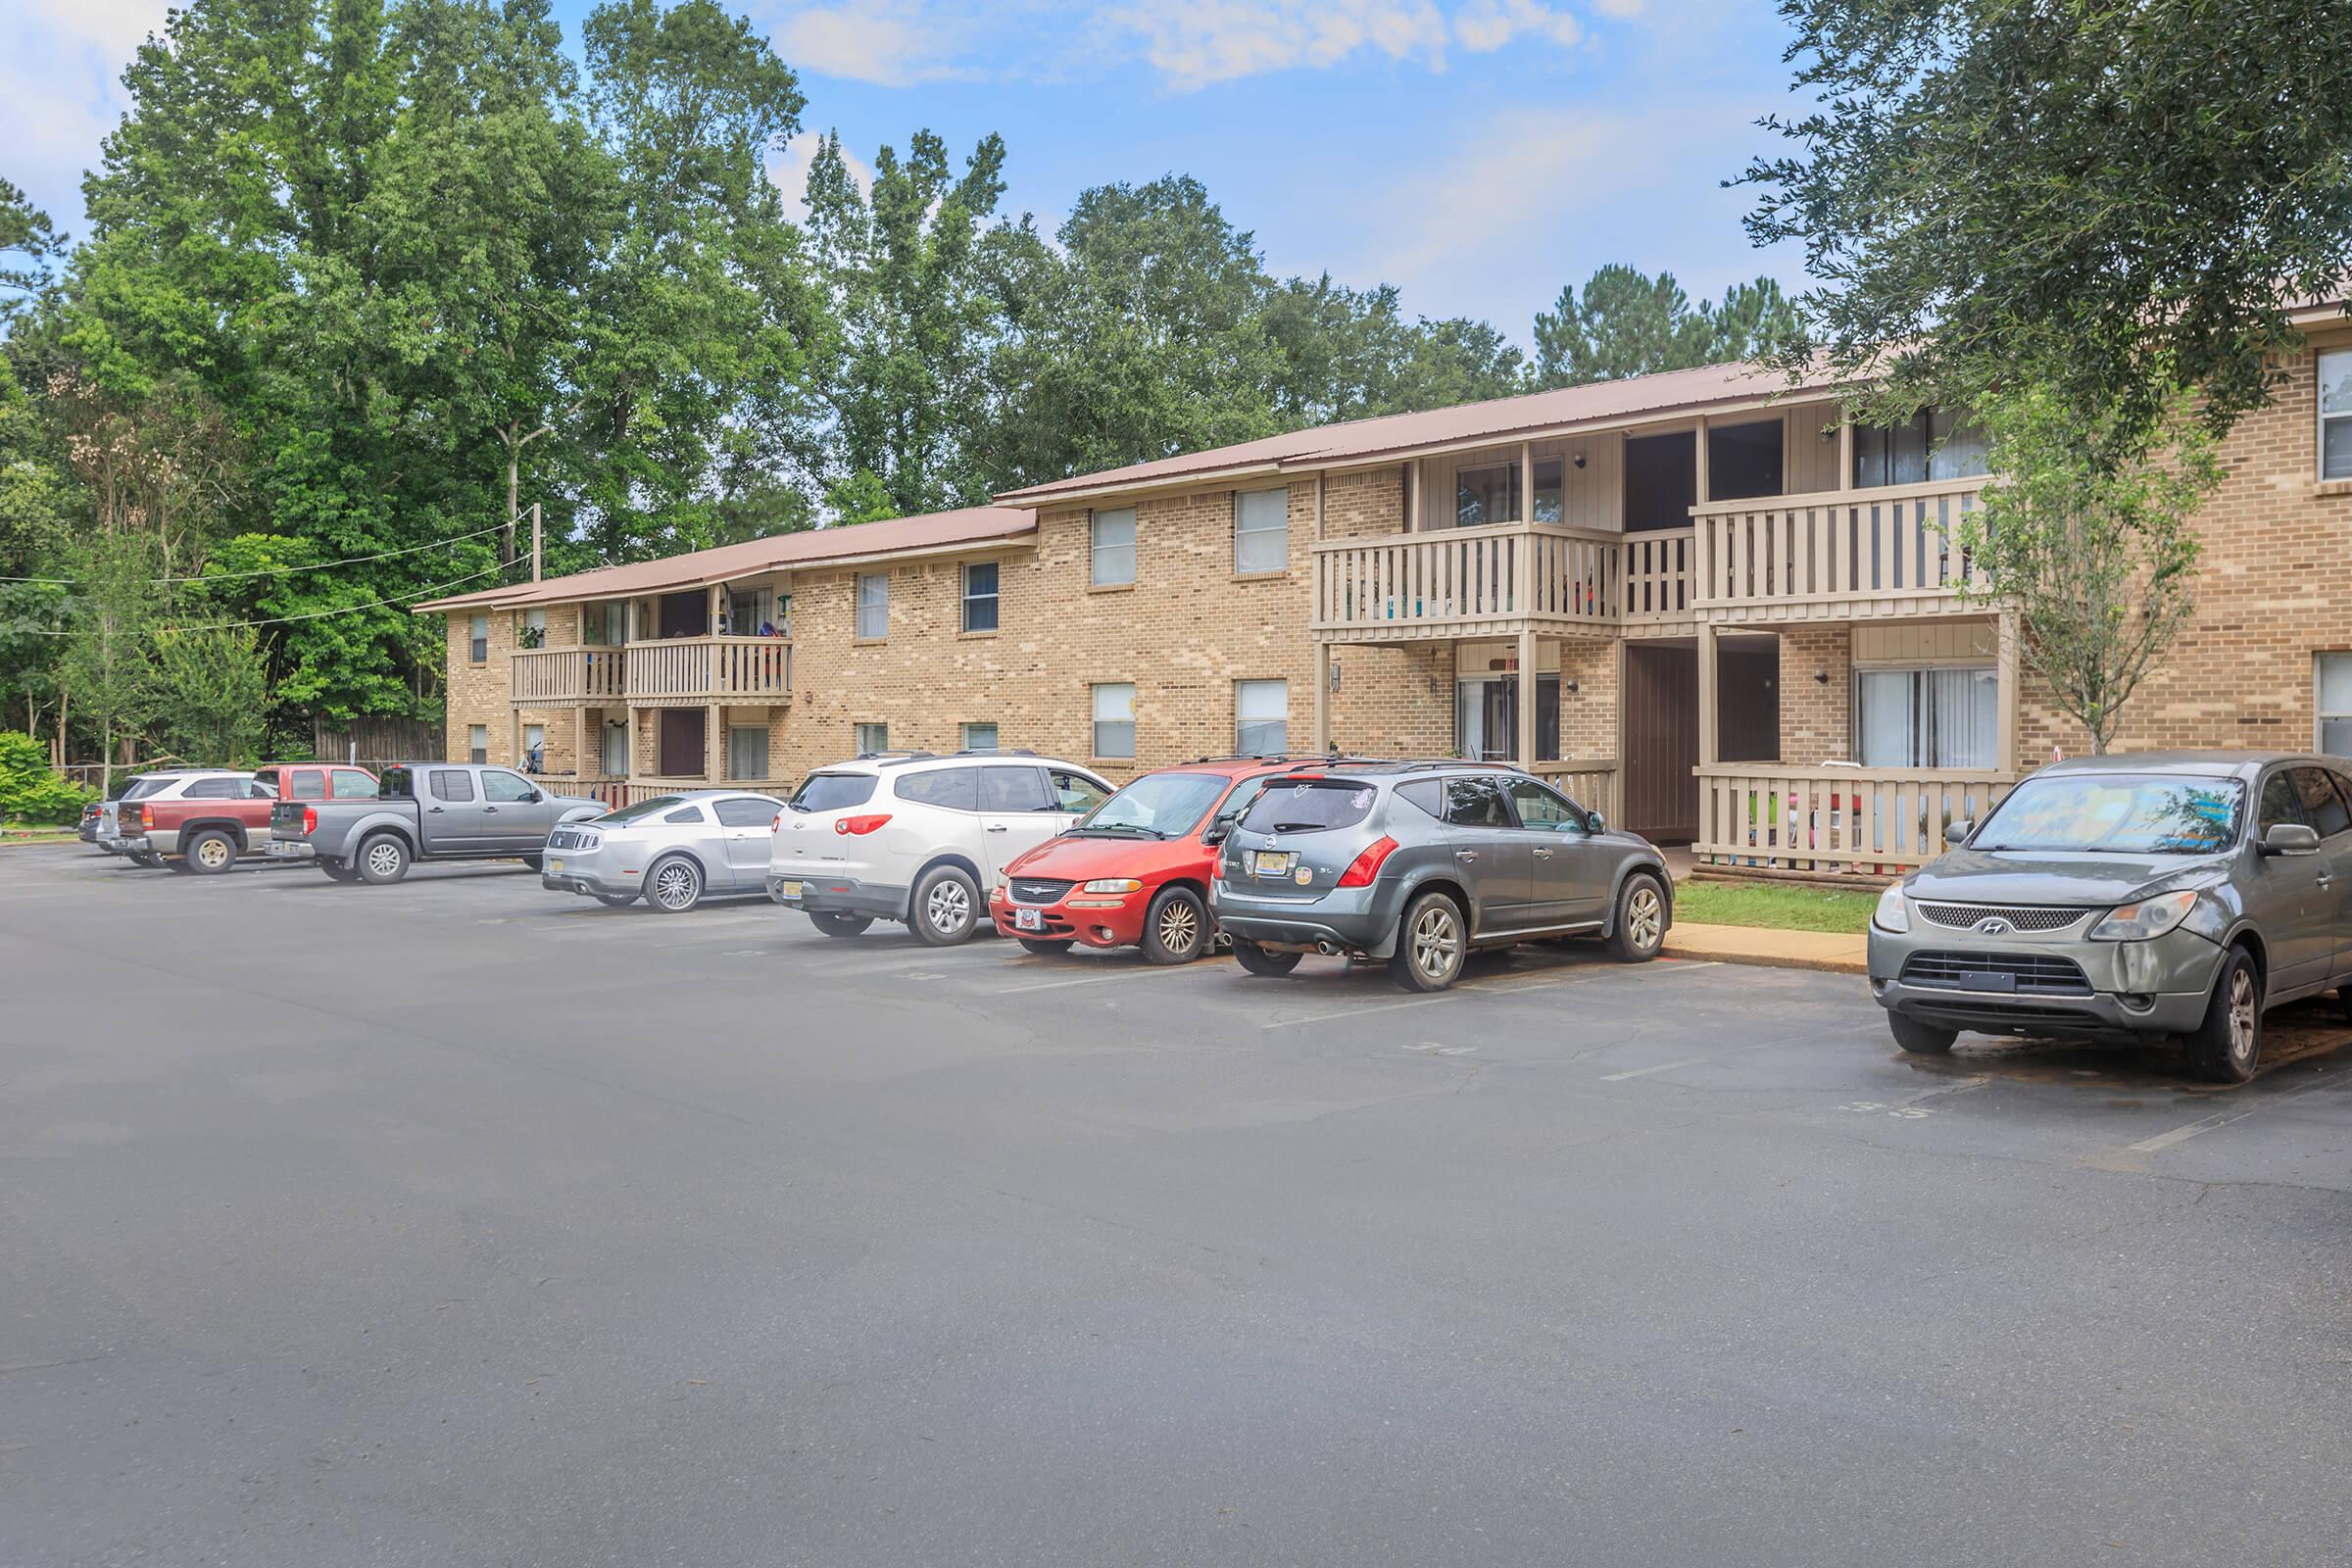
x=2137, y=896
x=1418, y=863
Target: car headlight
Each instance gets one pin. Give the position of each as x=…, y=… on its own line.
x=2149, y=917
x=1004, y=881
x=1113, y=884
x=1892, y=914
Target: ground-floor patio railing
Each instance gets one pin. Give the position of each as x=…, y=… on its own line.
x=1763, y=817
x=1590, y=782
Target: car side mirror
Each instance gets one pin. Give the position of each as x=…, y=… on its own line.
x=538, y=796
x=1218, y=833
x=2291, y=838
x=1593, y=823
x=1956, y=832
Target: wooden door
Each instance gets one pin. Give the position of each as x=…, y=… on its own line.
x=1660, y=793
x=680, y=743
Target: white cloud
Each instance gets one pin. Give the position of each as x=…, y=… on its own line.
x=1489, y=24
x=893, y=43
x=61, y=62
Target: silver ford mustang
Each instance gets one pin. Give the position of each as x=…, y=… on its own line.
x=673, y=851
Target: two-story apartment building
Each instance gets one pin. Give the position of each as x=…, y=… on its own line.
x=1722, y=612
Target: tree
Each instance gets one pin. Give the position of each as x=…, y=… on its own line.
x=105, y=669
x=27, y=235
x=210, y=691
x=30, y=790
x=2086, y=532
x=1626, y=323
x=1349, y=354
x=2127, y=191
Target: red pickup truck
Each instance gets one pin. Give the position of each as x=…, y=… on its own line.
x=203, y=821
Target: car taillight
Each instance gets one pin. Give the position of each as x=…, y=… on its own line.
x=775, y=823
x=860, y=825
x=146, y=817
x=310, y=821
x=1365, y=866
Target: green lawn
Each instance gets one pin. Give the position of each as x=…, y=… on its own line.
x=1774, y=904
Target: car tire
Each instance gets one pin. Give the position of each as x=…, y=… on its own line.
x=1433, y=942
x=211, y=852
x=145, y=858
x=1263, y=960
x=1175, y=927
x=835, y=924
x=945, y=908
x=2226, y=1046
x=673, y=885
x=537, y=862
x=383, y=859
x=337, y=871
x=1920, y=1039
x=617, y=901
x=1639, y=929
x=1047, y=947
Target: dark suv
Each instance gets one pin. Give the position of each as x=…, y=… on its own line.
x=1419, y=863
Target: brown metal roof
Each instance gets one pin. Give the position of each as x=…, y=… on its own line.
x=813, y=546
x=1497, y=420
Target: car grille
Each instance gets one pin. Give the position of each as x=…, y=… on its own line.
x=568, y=838
x=1038, y=889
x=2038, y=975
x=2021, y=917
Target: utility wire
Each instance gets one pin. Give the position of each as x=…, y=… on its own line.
x=317, y=614
x=275, y=572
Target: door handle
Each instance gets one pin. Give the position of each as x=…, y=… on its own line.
x=1465, y=855
x=1543, y=855
x=998, y=828
x=435, y=809
x=2325, y=879
x=490, y=809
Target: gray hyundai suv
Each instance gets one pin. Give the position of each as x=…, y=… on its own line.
x=1417, y=863
x=2180, y=892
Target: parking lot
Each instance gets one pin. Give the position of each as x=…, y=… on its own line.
x=458, y=1221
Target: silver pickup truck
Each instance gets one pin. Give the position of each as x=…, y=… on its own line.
x=425, y=811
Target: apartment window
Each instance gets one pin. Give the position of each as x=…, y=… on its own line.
x=1661, y=480
x=1932, y=444
x=1927, y=717
x=481, y=639
x=530, y=628
x=1261, y=717
x=980, y=595
x=747, y=752
x=874, y=738
x=2336, y=414
x=1261, y=530
x=616, y=749
x=1115, y=721
x=616, y=624
x=1482, y=496
x=478, y=743
x=743, y=614
x=1743, y=459
x=979, y=737
x=534, y=748
x=873, y=604
x=1114, y=548
x=2334, y=737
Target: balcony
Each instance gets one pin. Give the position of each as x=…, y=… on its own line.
x=1847, y=555
x=568, y=677
x=1498, y=580
x=692, y=670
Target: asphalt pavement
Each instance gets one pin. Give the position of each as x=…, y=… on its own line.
x=460, y=1222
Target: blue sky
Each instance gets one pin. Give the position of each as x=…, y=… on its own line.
x=1476, y=152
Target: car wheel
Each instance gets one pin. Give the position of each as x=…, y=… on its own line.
x=383, y=858
x=1639, y=930
x=1047, y=947
x=2227, y=1047
x=834, y=924
x=535, y=862
x=946, y=906
x=1263, y=960
x=1431, y=944
x=674, y=886
x=1920, y=1039
x=617, y=901
x=1175, y=927
x=211, y=852
x=337, y=871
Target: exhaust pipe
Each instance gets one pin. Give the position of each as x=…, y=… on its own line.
x=1325, y=947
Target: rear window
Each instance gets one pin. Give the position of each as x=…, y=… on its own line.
x=398, y=784
x=641, y=810
x=1310, y=806
x=833, y=792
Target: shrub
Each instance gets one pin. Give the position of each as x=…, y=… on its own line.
x=29, y=792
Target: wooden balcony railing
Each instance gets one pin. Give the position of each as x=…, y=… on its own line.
x=1868, y=822
x=709, y=669
x=1836, y=555
x=1590, y=782
x=1464, y=582
x=549, y=675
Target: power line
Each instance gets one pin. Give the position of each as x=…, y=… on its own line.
x=319, y=614
x=276, y=571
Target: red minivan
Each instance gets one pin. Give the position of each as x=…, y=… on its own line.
x=1134, y=871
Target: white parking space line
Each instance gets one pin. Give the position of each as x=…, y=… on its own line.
x=1140, y=972
x=2222, y=1118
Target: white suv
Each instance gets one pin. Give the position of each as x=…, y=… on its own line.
x=918, y=837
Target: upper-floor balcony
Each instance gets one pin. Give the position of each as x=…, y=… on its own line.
x=662, y=672
x=1841, y=555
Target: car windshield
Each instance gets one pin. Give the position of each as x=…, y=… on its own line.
x=2117, y=813
x=1163, y=805
x=833, y=792
x=1307, y=806
x=641, y=810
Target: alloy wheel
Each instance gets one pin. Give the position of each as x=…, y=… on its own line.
x=1436, y=940
x=383, y=860
x=2244, y=1014
x=674, y=886
x=1645, y=917
x=1179, y=926
x=949, y=908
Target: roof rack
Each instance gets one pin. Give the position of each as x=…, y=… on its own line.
x=1284, y=758
x=889, y=758
x=995, y=751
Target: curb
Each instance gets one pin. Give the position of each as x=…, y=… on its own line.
x=1765, y=960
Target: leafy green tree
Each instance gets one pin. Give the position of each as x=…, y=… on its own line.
x=1623, y=322
x=1351, y=354
x=106, y=669
x=2127, y=191
x=28, y=242
x=2087, y=533
x=1753, y=321
x=30, y=790
x=210, y=691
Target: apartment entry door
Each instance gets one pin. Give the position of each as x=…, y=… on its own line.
x=1661, y=741
x=679, y=743
x=1485, y=719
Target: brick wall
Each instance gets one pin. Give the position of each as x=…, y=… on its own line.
x=1816, y=717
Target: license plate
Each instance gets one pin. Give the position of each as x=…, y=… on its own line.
x=1271, y=862
x=1029, y=919
x=788, y=890
x=1982, y=980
